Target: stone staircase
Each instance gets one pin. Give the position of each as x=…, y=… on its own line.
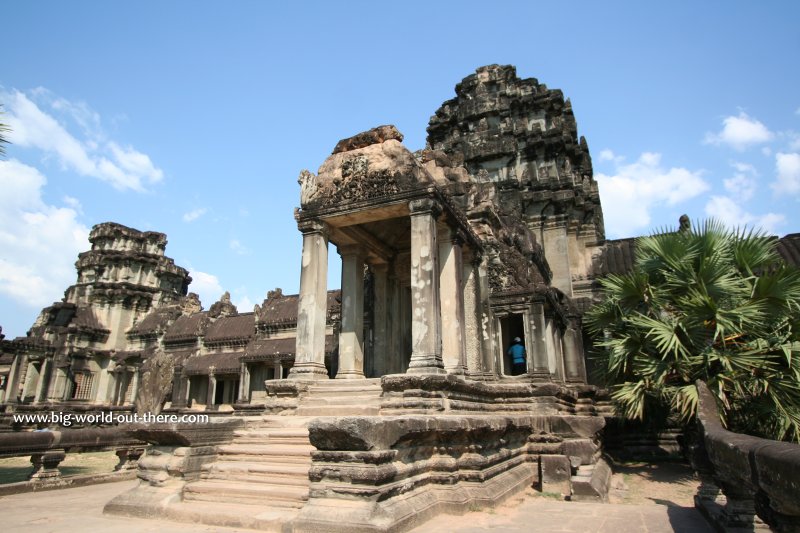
x=260, y=480
x=342, y=397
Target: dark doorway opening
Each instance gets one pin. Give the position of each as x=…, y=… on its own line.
x=511, y=327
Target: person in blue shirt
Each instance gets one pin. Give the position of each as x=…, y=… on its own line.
x=517, y=353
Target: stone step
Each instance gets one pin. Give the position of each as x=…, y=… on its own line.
x=339, y=410
x=259, y=516
x=257, y=478
x=241, y=491
x=266, y=453
x=341, y=400
x=337, y=383
x=272, y=436
x=224, y=468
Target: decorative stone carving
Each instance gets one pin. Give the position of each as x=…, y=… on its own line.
x=223, y=307
x=367, y=138
x=308, y=186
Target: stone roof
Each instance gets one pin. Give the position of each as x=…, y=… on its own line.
x=156, y=321
x=179, y=355
x=188, y=327
x=618, y=256
x=223, y=363
x=789, y=248
x=231, y=328
x=281, y=310
x=261, y=348
x=372, y=164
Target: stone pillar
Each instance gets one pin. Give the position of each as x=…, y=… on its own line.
x=244, y=383
x=556, y=251
x=558, y=351
x=394, y=363
x=487, y=331
x=537, y=361
x=179, y=389
x=309, y=362
x=472, y=329
x=135, y=384
x=12, y=387
x=451, y=300
x=211, y=392
x=574, y=363
x=277, y=370
x=426, y=335
x=380, y=326
x=351, y=336
x=44, y=380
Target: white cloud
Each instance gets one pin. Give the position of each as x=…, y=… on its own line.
x=244, y=304
x=740, y=132
x=732, y=214
x=794, y=140
x=635, y=189
x=122, y=167
x=787, y=167
x=238, y=247
x=608, y=155
x=206, y=286
x=742, y=185
x=194, y=214
x=39, y=242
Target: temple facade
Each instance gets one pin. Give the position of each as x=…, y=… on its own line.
x=448, y=254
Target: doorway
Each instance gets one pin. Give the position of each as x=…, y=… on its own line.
x=511, y=327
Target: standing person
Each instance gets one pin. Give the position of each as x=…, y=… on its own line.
x=517, y=353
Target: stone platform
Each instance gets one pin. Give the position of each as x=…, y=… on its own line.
x=60, y=510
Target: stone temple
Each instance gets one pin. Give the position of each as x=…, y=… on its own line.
x=378, y=405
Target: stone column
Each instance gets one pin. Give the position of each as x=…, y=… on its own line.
x=426, y=335
x=472, y=328
x=44, y=380
x=309, y=362
x=558, y=351
x=487, y=331
x=537, y=361
x=574, y=364
x=12, y=387
x=351, y=336
x=244, y=383
x=394, y=361
x=179, y=389
x=277, y=370
x=135, y=384
x=212, y=387
x=451, y=300
x=380, y=312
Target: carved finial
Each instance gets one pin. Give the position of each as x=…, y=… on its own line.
x=308, y=186
x=223, y=307
x=685, y=224
x=277, y=293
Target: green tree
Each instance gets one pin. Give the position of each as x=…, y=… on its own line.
x=711, y=304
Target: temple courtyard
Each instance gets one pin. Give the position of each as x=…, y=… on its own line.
x=644, y=497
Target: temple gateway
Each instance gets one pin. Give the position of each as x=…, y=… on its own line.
x=396, y=397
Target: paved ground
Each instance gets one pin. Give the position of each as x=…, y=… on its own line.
x=81, y=508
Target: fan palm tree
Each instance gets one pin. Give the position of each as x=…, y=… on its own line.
x=712, y=304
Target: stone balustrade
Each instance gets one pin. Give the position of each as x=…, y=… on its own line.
x=747, y=482
x=47, y=449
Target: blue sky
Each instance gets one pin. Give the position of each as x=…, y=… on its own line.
x=195, y=119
